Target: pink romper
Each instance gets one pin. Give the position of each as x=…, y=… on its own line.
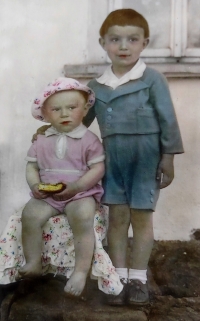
x=78, y=155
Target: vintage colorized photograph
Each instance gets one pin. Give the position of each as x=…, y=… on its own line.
x=99, y=160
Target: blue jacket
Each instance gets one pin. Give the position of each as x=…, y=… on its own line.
x=141, y=106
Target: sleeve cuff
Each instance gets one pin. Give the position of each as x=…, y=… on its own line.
x=31, y=159
x=96, y=160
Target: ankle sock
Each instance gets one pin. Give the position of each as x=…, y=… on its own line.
x=140, y=275
x=123, y=273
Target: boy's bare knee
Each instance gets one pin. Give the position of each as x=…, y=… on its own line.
x=119, y=216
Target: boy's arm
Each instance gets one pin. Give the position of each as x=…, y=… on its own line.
x=33, y=179
x=88, y=119
x=40, y=131
x=87, y=181
x=165, y=171
x=170, y=137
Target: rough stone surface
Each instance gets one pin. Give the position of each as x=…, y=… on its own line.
x=44, y=300
x=176, y=268
x=167, y=308
x=174, y=278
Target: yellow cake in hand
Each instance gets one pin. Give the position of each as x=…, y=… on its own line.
x=51, y=188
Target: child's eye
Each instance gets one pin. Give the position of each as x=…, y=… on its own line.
x=114, y=39
x=55, y=109
x=72, y=107
x=133, y=39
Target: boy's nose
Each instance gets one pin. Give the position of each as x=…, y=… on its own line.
x=123, y=44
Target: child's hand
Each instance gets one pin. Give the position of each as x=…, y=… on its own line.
x=70, y=191
x=165, y=171
x=36, y=193
x=40, y=131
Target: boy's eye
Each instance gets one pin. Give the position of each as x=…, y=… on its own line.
x=114, y=39
x=55, y=109
x=72, y=107
x=133, y=39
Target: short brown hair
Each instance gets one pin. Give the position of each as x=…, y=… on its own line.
x=124, y=17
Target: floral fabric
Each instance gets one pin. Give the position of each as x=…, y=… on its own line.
x=58, y=256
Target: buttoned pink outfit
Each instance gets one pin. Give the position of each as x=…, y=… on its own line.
x=66, y=161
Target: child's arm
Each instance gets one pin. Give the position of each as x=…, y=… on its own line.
x=33, y=179
x=87, y=181
x=40, y=131
x=165, y=171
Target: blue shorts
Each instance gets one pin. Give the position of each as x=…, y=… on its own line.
x=131, y=164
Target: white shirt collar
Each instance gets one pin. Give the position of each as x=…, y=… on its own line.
x=109, y=79
x=77, y=132
x=61, y=146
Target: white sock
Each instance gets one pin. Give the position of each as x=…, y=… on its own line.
x=140, y=275
x=123, y=273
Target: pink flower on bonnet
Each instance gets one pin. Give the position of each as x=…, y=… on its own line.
x=57, y=85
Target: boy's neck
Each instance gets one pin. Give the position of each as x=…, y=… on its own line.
x=121, y=71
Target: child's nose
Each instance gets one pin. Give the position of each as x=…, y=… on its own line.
x=123, y=44
x=64, y=112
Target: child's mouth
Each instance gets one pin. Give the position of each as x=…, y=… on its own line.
x=65, y=123
x=123, y=56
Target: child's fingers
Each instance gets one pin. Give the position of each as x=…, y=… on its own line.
x=165, y=181
x=158, y=174
x=34, y=138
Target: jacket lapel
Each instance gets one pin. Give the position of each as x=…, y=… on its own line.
x=107, y=94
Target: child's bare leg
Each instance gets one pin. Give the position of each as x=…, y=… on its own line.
x=34, y=216
x=80, y=214
x=143, y=238
x=119, y=221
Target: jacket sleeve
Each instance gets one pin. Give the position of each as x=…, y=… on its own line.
x=171, y=142
x=89, y=118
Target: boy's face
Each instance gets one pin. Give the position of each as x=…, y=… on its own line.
x=65, y=110
x=124, y=45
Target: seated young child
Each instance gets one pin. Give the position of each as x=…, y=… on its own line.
x=70, y=154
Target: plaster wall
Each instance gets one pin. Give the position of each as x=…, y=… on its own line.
x=36, y=39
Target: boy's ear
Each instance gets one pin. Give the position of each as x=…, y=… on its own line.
x=102, y=43
x=146, y=42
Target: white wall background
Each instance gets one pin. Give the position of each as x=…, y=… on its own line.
x=36, y=39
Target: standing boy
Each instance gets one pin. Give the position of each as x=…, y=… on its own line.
x=140, y=137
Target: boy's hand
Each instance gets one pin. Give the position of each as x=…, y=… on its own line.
x=40, y=131
x=36, y=193
x=165, y=171
x=70, y=191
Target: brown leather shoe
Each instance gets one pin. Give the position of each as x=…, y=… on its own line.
x=138, y=293
x=120, y=299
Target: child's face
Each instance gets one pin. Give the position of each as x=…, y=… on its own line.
x=124, y=45
x=65, y=110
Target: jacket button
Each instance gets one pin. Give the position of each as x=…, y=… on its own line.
x=109, y=109
x=108, y=125
x=109, y=117
x=152, y=192
x=151, y=199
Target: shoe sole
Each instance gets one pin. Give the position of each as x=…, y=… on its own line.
x=138, y=303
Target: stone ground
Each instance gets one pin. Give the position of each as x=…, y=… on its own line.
x=174, y=283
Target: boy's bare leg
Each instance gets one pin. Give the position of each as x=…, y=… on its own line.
x=34, y=216
x=80, y=214
x=119, y=221
x=143, y=238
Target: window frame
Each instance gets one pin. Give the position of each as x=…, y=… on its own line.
x=177, y=61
